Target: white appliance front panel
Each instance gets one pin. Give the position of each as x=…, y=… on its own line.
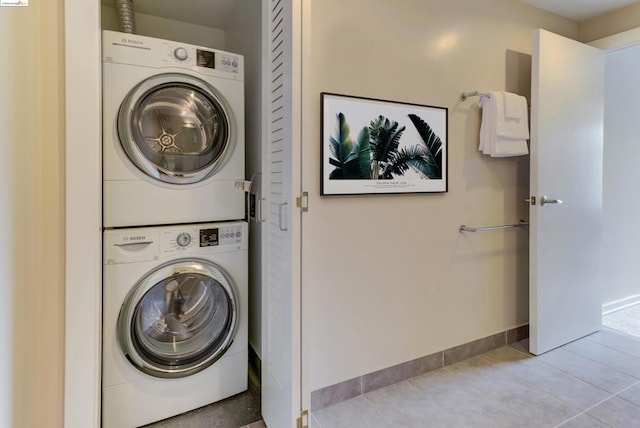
x=131, y=397
x=144, y=401
x=131, y=198
x=120, y=278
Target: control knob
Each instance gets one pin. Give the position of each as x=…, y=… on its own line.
x=183, y=239
x=181, y=54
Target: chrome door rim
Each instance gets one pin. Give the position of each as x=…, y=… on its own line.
x=133, y=152
x=146, y=283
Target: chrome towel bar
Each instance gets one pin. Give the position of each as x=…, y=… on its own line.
x=465, y=228
x=465, y=95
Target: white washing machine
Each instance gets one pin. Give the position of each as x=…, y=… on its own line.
x=173, y=132
x=174, y=320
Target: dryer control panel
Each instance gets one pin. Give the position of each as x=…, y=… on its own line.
x=134, y=49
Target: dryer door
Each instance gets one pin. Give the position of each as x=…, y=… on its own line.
x=176, y=128
x=179, y=319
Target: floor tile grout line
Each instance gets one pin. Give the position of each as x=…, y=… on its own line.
x=589, y=339
x=609, y=394
x=617, y=394
x=470, y=384
x=316, y=423
x=589, y=409
x=560, y=369
x=477, y=387
x=597, y=361
x=552, y=394
x=636, y=356
x=375, y=409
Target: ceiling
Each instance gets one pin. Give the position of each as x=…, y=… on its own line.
x=579, y=10
x=216, y=13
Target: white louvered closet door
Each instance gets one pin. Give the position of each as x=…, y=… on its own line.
x=281, y=236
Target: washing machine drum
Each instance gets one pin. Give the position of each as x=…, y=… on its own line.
x=176, y=128
x=179, y=319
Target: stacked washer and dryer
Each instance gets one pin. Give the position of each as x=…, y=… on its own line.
x=175, y=242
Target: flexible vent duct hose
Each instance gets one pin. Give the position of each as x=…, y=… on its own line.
x=126, y=17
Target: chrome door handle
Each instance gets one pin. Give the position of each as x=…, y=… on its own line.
x=544, y=200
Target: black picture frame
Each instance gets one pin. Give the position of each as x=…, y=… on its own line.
x=374, y=146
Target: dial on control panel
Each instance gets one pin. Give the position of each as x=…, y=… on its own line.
x=180, y=53
x=183, y=239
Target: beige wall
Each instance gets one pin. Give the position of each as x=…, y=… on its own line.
x=610, y=23
x=389, y=277
x=32, y=217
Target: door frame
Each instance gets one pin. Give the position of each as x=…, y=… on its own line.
x=610, y=44
x=83, y=214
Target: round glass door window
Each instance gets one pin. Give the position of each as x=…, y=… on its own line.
x=179, y=319
x=176, y=128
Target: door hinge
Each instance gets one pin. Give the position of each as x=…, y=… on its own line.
x=303, y=420
x=302, y=202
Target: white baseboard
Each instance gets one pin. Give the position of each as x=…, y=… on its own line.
x=616, y=305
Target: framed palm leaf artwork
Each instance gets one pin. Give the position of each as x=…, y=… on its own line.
x=374, y=146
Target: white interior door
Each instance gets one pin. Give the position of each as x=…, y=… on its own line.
x=281, y=233
x=567, y=109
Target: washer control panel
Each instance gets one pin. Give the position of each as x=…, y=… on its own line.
x=227, y=235
x=156, y=243
x=199, y=238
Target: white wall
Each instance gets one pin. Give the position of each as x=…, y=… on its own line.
x=169, y=29
x=32, y=216
x=244, y=36
x=389, y=278
x=621, y=228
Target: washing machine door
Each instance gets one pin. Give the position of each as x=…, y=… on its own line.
x=176, y=128
x=179, y=319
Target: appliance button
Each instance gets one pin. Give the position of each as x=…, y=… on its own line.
x=183, y=239
x=180, y=53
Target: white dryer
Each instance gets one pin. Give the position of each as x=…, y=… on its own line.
x=174, y=320
x=173, y=132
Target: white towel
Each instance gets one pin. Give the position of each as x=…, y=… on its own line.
x=513, y=119
x=504, y=129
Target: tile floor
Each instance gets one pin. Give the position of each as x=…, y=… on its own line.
x=590, y=383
